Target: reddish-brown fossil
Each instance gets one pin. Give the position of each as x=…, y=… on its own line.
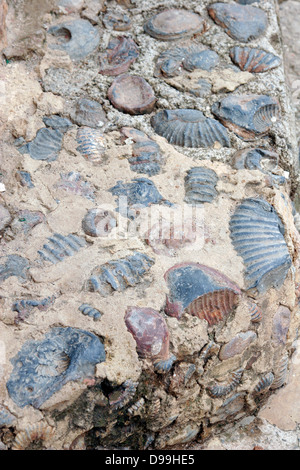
x=132, y=94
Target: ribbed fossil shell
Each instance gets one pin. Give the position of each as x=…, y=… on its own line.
x=88, y=113
x=137, y=407
x=25, y=307
x=92, y=144
x=78, y=38
x=124, y=396
x=131, y=94
x=146, y=154
x=256, y=314
x=264, y=383
x=90, y=311
x=42, y=367
x=14, y=265
x=45, y=146
x=151, y=334
x=200, y=291
x=120, y=274
x=99, y=222
x=117, y=21
x=218, y=391
x=257, y=236
x=121, y=53
x=57, y=122
x=174, y=24
x=141, y=192
x=241, y=22
x=189, y=128
x=200, y=185
x=248, y=116
x=254, y=60
x=60, y=247
x=280, y=370
x=171, y=62
x=33, y=437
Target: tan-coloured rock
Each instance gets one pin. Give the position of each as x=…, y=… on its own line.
x=237, y=345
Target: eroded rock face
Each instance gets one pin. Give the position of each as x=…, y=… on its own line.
x=143, y=311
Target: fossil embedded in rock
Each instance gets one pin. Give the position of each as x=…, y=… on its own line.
x=24, y=178
x=241, y=22
x=78, y=38
x=257, y=235
x=33, y=437
x=237, y=345
x=121, y=53
x=221, y=390
x=189, y=128
x=14, y=265
x=139, y=193
x=88, y=113
x=166, y=237
x=60, y=247
x=99, y=222
x=45, y=146
x=74, y=183
x=200, y=291
x=119, y=274
x=122, y=397
x=254, y=60
x=151, y=334
x=146, y=155
x=117, y=20
x=42, y=367
x=200, y=185
x=264, y=383
x=280, y=369
x=248, y=116
x=57, y=122
x=90, y=311
x=281, y=325
x=174, y=24
x=6, y=417
x=26, y=220
x=131, y=94
x=25, y=307
x=255, y=159
x=256, y=314
x=92, y=144
x=171, y=62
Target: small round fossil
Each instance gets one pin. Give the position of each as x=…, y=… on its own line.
x=174, y=24
x=131, y=94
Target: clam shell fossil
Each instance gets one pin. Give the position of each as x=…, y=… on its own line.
x=255, y=159
x=90, y=311
x=60, y=247
x=254, y=60
x=151, y=334
x=14, y=265
x=189, y=128
x=92, y=144
x=248, y=116
x=131, y=94
x=174, y=24
x=121, y=53
x=33, y=437
x=40, y=368
x=221, y=390
x=88, y=113
x=257, y=236
x=99, y=222
x=57, y=122
x=120, y=274
x=200, y=291
x=45, y=146
x=241, y=22
x=200, y=185
x=255, y=312
x=280, y=370
x=129, y=388
x=78, y=38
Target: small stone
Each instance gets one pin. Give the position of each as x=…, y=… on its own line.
x=237, y=345
x=174, y=24
x=132, y=94
x=117, y=21
x=241, y=22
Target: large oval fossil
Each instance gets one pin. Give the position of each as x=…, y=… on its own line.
x=200, y=291
x=174, y=24
x=151, y=334
x=257, y=235
x=189, y=128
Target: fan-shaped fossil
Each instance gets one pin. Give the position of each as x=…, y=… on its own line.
x=60, y=246
x=200, y=291
x=151, y=334
x=45, y=146
x=257, y=235
x=254, y=60
x=189, y=128
x=221, y=390
x=33, y=437
x=88, y=113
x=264, y=383
x=174, y=24
x=92, y=144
